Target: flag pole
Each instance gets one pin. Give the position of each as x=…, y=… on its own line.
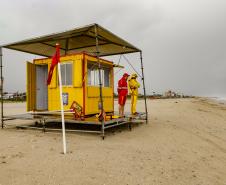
x=56, y=61
x=62, y=107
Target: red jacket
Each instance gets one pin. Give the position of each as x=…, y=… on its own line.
x=122, y=87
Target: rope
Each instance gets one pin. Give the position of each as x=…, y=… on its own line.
x=131, y=66
x=119, y=59
x=118, y=64
x=118, y=71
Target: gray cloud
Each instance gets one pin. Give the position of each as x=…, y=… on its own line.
x=183, y=42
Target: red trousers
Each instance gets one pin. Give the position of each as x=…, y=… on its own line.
x=122, y=99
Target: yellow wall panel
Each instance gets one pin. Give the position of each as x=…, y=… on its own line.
x=93, y=97
x=92, y=105
x=77, y=73
x=75, y=92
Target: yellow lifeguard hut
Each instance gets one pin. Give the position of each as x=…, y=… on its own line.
x=80, y=81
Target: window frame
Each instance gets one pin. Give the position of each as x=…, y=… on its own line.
x=64, y=83
x=94, y=67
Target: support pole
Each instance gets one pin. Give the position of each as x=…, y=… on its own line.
x=1, y=88
x=145, y=100
x=101, y=107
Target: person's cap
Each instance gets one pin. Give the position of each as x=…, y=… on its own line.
x=134, y=75
x=125, y=75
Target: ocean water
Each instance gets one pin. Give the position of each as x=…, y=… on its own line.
x=221, y=100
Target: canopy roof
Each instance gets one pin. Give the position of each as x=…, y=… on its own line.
x=77, y=40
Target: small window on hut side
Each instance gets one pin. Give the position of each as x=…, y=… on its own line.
x=93, y=76
x=66, y=74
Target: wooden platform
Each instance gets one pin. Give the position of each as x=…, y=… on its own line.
x=45, y=121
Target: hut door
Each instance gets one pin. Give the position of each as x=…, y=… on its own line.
x=41, y=87
x=31, y=86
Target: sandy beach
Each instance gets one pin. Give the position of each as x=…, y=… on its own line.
x=184, y=143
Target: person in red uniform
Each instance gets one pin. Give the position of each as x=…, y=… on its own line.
x=122, y=93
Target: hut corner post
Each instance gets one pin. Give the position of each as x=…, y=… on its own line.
x=1, y=88
x=145, y=99
x=100, y=82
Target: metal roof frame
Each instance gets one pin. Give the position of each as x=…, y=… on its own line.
x=82, y=39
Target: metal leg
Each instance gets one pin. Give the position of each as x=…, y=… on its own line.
x=142, y=69
x=44, y=125
x=130, y=126
x=103, y=135
x=36, y=123
x=1, y=89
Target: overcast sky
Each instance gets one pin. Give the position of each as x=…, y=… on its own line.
x=183, y=41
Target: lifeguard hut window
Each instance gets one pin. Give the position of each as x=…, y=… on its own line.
x=66, y=73
x=106, y=77
x=93, y=76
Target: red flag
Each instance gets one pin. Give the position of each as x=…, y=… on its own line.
x=55, y=60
